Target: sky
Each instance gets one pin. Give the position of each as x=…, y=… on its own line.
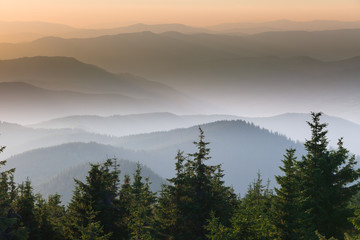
x=110, y=13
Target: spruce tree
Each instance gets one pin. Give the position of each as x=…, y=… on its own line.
x=287, y=199
x=196, y=191
x=51, y=217
x=99, y=196
x=25, y=208
x=9, y=219
x=327, y=184
x=140, y=222
x=253, y=216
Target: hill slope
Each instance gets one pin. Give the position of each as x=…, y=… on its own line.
x=242, y=148
x=294, y=126
x=52, y=169
x=230, y=71
x=121, y=125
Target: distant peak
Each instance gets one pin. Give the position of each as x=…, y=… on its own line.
x=139, y=25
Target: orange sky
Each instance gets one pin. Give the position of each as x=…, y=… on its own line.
x=88, y=13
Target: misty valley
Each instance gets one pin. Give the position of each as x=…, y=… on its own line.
x=168, y=131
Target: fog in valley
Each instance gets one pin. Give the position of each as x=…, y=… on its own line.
x=139, y=93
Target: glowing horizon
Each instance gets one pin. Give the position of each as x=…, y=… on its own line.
x=110, y=13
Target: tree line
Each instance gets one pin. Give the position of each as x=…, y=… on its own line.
x=316, y=198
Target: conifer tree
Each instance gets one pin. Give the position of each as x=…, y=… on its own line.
x=170, y=221
x=326, y=179
x=124, y=208
x=253, y=216
x=99, y=196
x=140, y=220
x=287, y=199
x=9, y=220
x=195, y=192
x=51, y=217
x=25, y=208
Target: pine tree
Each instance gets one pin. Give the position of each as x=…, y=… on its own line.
x=326, y=179
x=287, y=199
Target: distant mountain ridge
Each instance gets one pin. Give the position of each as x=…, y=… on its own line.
x=264, y=68
x=284, y=25
x=122, y=125
x=61, y=164
x=74, y=87
x=235, y=144
x=293, y=125
x=14, y=32
x=28, y=31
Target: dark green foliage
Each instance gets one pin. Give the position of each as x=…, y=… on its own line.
x=9, y=220
x=287, y=199
x=312, y=201
x=326, y=179
x=97, y=196
x=253, y=216
x=51, y=217
x=252, y=219
x=196, y=191
x=140, y=221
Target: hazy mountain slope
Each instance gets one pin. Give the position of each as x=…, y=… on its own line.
x=121, y=125
x=28, y=31
x=63, y=183
x=18, y=139
x=327, y=45
x=141, y=52
x=40, y=165
x=14, y=32
x=294, y=126
x=242, y=148
x=67, y=73
x=53, y=169
x=116, y=93
x=284, y=25
x=21, y=102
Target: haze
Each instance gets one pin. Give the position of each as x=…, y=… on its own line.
x=113, y=13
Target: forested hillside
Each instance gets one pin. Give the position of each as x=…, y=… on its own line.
x=315, y=199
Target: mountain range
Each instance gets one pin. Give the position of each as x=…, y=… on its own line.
x=39, y=88
x=242, y=148
x=29, y=31
x=61, y=164
x=200, y=64
x=292, y=125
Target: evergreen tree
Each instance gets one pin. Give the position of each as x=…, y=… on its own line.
x=253, y=216
x=140, y=220
x=124, y=208
x=169, y=220
x=51, y=217
x=326, y=179
x=25, y=208
x=287, y=199
x=99, y=196
x=9, y=220
x=196, y=191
